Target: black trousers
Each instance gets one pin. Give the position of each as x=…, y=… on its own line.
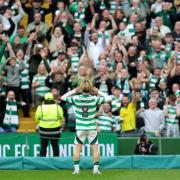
x=51, y=135
x=44, y=144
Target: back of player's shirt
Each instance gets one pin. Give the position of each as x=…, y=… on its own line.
x=85, y=110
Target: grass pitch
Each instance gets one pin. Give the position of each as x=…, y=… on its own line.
x=118, y=174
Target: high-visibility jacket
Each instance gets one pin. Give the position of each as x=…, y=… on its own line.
x=49, y=116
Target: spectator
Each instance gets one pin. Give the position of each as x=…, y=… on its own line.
x=21, y=34
x=13, y=74
x=9, y=21
x=172, y=113
x=11, y=118
x=176, y=33
x=36, y=7
x=65, y=21
x=61, y=61
x=136, y=7
x=102, y=81
x=79, y=14
x=128, y=115
x=154, y=93
x=158, y=57
x=145, y=146
x=39, y=86
x=38, y=26
x=95, y=46
x=56, y=38
x=116, y=100
x=161, y=27
x=168, y=14
x=154, y=119
x=39, y=56
x=106, y=122
x=123, y=81
x=118, y=16
x=57, y=80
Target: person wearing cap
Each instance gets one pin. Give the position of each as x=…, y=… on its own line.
x=49, y=117
x=60, y=61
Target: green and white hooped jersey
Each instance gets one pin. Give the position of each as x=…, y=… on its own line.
x=80, y=16
x=106, y=122
x=41, y=89
x=171, y=117
x=85, y=107
x=25, y=74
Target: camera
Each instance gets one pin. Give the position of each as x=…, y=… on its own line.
x=145, y=146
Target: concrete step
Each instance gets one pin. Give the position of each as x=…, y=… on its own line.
x=27, y=124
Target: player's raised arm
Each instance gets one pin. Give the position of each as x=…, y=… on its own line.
x=70, y=93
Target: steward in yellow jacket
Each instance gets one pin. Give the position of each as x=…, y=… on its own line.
x=49, y=117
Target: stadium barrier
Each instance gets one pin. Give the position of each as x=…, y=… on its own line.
x=117, y=162
x=28, y=144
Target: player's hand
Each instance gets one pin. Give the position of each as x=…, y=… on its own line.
x=95, y=90
x=78, y=90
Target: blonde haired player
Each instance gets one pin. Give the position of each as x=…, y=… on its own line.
x=85, y=100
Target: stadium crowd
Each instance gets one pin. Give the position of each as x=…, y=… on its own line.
x=130, y=49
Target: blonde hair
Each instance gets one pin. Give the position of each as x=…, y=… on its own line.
x=40, y=67
x=86, y=85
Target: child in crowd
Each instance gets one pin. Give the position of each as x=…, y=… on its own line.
x=105, y=120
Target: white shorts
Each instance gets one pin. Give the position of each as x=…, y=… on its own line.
x=90, y=135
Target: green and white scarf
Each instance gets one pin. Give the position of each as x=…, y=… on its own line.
x=102, y=5
x=74, y=62
x=152, y=82
x=126, y=88
x=107, y=36
x=11, y=116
